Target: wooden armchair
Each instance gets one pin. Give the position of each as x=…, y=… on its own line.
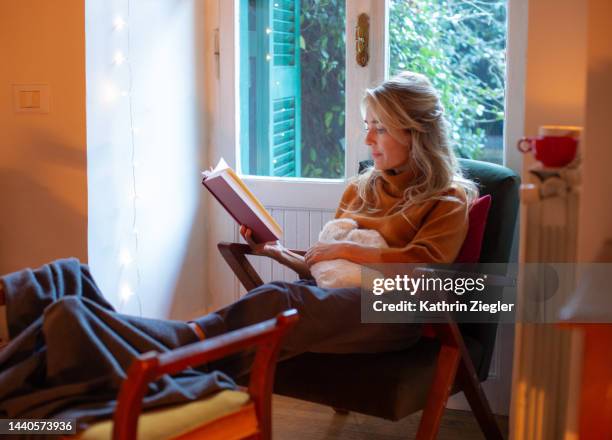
x=394, y=385
x=225, y=415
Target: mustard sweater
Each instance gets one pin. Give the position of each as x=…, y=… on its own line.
x=430, y=232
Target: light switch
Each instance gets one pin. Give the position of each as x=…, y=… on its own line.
x=31, y=98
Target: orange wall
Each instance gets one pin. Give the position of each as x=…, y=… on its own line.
x=43, y=181
x=596, y=202
x=555, y=85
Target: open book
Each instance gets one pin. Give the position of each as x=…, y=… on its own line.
x=229, y=189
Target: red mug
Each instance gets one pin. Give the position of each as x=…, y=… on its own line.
x=552, y=151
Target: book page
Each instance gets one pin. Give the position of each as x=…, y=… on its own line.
x=250, y=199
x=255, y=201
x=223, y=170
x=221, y=165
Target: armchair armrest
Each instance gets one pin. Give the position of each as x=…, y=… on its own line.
x=266, y=336
x=235, y=254
x=246, y=249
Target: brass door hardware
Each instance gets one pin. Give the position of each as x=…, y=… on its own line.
x=362, y=40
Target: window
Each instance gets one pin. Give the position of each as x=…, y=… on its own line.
x=292, y=96
x=460, y=45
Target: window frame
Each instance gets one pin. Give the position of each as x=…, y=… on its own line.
x=328, y=191
x=516, y=67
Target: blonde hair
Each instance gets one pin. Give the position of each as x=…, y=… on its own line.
x=408, y=102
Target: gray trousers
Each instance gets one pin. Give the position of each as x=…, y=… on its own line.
x=330, y=319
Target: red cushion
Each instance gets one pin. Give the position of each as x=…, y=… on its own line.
x=470, y=251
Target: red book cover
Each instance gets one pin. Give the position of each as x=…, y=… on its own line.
x=239, y=209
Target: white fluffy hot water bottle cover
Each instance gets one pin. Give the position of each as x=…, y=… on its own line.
x=343, y=273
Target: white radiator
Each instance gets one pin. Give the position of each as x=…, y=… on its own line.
x=543, y=376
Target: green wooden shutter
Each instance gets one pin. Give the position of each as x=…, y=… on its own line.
x=285, y=96
x=270, y=95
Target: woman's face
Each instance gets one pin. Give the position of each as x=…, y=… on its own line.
x=389, y=151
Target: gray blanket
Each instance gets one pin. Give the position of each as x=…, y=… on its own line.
x=70, y=350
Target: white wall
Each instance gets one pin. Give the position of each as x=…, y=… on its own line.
x=596, y=197
x=43, y=186
x=222, y=286
x=163, y=42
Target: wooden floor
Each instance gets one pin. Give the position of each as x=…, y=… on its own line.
x=299, y=420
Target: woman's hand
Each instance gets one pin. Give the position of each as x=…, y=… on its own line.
x=272, y=249
x=278, y=252
x=325, y=251
x=347, y=250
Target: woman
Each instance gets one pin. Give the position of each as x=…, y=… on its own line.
x=414, y=196
x=69, y=340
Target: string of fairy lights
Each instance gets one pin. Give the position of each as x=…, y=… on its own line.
x=129, y=274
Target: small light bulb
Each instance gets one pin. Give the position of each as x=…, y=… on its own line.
x=119, y=58
x=268, y=57
x=119, y=23
x=125, y=257
x=110, y=92
x=132, y=196
x=126, y=292
x=268, y=31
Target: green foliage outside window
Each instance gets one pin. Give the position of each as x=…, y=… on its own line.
x=322, y=57
x=458, y=44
